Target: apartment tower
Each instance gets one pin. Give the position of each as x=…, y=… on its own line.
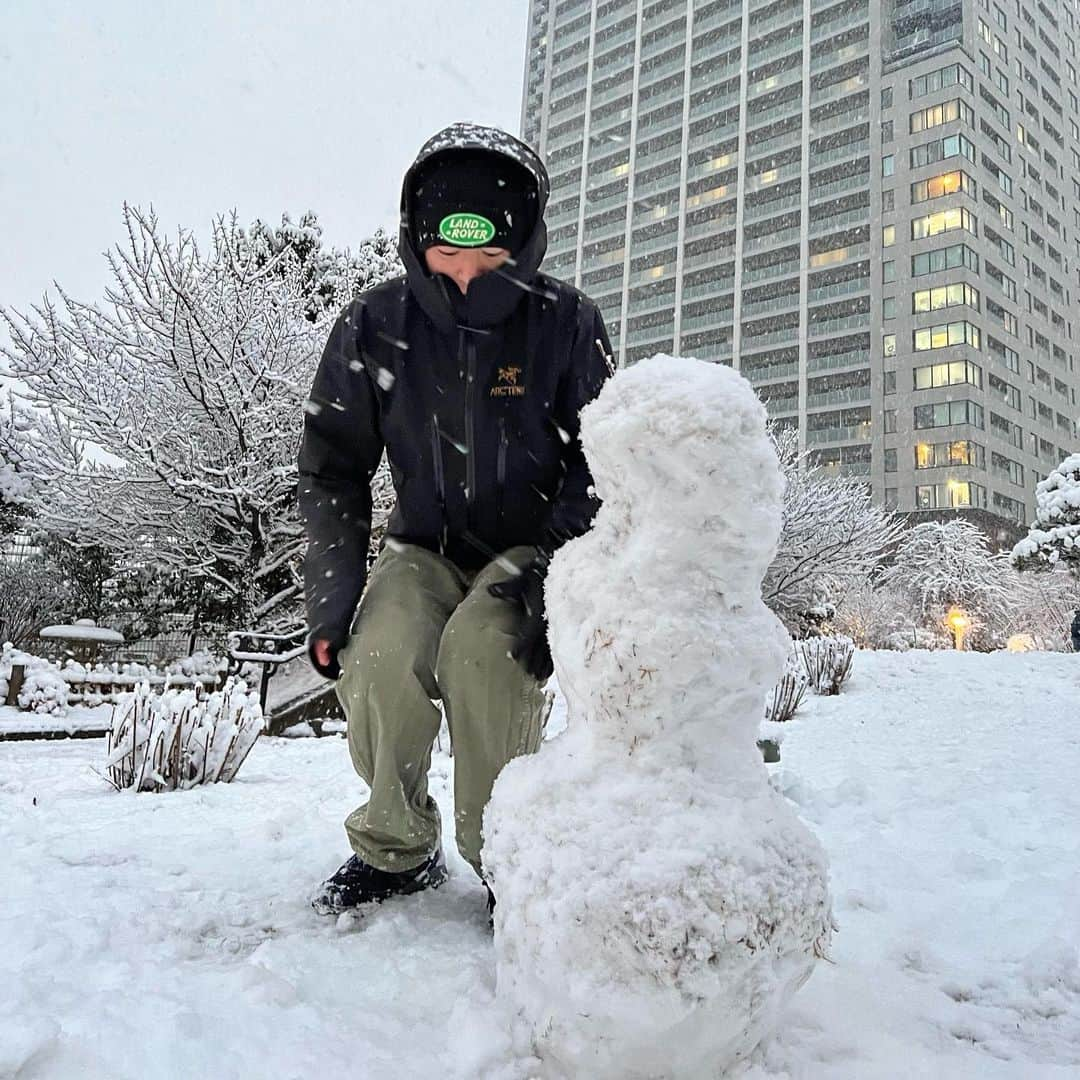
x=871, y=209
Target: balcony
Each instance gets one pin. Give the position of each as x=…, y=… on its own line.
x=755, y=244
x=839, y=288
x=854, y=395
x=774, y=303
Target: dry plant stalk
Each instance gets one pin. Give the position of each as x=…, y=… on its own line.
x=786, y=698
x=827, y=662
x=179, y=739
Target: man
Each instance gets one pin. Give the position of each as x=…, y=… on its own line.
x=470, y=371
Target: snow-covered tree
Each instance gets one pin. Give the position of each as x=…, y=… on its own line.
x=30, y=598
x=329, y=278
x=15, y=487
x=833, y=537
x=872, y=614
x=942, y=564
x=1044, y=608
x=163, y=424
x=1054, y=538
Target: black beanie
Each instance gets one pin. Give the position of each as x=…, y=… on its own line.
x=473, y=198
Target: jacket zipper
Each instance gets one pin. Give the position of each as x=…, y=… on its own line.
x=440, y=482
x=470, y=441
x=500, y=471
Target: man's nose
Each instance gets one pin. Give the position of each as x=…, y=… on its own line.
x=463, y=277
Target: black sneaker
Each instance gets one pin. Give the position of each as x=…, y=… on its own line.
x=356, y=883
x=490, y=906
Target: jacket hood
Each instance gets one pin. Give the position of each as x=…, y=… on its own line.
x=490, y=298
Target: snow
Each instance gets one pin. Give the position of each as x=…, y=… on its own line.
x=1056, y=531
x=658, y=901
x=158, y=936
x=955, y=874
x=17, y=721
x=81, y=631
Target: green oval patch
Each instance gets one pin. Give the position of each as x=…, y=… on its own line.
x=466, y=230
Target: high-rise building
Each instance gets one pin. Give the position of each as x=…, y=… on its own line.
x=871, y=209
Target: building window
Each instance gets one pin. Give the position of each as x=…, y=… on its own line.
x=948, y=258
x=953, y=75
x=940, y=149
x=888, y=307
x=947, y=454
x=953, y=373
x=944, y=221
x=951, y=493
x=1011, y=508
x=943, y=113
x=947, y=414
x=886, y=97
x=888, y=165
x=888, y=271
x=888, y=345
x=890, y=461
x=888, y=201
x=888, y=236
x=946, y=184
x=892, y=499
x=946, y=335
x=890, y=421
x=1005, y=467
x=959, y=294
x=889, y=382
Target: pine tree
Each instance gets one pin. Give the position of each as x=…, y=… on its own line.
x=1054, y=538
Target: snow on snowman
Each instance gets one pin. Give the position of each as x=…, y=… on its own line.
x=659, y=901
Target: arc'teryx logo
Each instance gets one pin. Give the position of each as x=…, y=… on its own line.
x=507, y=383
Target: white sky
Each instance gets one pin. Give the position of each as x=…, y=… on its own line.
x=199, y=107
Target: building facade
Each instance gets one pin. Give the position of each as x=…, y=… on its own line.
x=871, y=209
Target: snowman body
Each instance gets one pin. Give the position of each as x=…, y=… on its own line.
x=659, y=902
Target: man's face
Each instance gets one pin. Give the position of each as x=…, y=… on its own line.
x=461, y=265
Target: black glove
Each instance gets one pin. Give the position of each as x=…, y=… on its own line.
x=337, y=639
x=527, y=591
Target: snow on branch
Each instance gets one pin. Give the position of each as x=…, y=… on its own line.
x=1054, y=538
x=164, y=422
x=833, y=538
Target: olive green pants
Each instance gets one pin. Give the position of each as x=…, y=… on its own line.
x=426, y=631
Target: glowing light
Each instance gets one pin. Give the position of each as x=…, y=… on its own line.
x=959, y=623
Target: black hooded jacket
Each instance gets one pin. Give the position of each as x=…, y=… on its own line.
x=475, y=399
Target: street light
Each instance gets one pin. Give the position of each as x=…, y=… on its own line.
x=958, y=623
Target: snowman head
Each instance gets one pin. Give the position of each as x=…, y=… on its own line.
x=677, y=443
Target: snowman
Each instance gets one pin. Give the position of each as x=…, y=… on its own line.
x=659, y=901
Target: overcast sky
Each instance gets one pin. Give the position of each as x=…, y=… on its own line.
x=199, y=107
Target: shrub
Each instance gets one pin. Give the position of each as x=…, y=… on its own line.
x=827, y=662
x=786, y=697
x=43, y=690
x=181, y=738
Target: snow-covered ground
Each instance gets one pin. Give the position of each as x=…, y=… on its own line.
x=169, y=935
